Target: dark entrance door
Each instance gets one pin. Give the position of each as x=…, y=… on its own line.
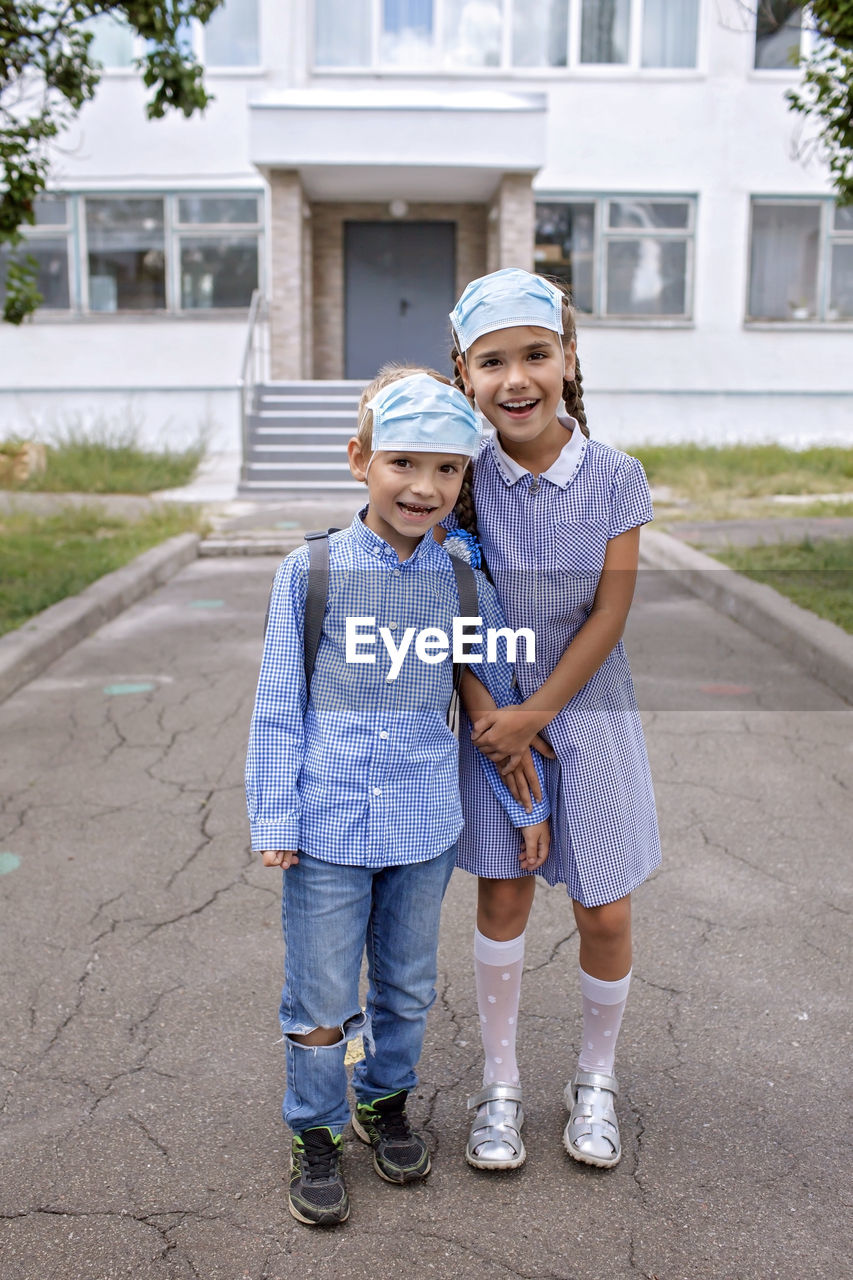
x=400, y=287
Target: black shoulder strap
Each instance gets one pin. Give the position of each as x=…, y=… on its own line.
x=466, y=585
x=318, y=593
x=469, y=607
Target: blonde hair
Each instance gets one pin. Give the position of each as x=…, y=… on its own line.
x=391, y=372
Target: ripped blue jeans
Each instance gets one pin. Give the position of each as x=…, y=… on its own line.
x=331, y=915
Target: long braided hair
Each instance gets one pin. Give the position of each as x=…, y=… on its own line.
x=572, y=398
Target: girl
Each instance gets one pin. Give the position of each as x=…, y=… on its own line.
x=559, y=517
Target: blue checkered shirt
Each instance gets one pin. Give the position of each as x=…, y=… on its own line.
x=365, y=771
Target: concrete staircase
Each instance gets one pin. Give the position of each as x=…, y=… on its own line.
x=296, y=439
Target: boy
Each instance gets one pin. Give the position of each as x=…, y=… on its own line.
x=353, y=790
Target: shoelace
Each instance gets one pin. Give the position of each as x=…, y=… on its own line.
x=320, y=1161
x=393, y=1125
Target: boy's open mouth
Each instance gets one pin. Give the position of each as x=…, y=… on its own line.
x=415, y=509
x=517, y=408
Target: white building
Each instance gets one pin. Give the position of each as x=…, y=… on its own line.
x=363, y=159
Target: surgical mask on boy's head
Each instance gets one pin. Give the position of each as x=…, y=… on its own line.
x=503, y=300
x=418, y=414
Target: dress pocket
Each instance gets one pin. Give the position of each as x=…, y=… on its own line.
x=580, y=548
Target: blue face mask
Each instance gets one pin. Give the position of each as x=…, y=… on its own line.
x=420, y=415
x=503, y=300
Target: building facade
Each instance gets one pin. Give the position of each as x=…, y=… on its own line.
x=363, y=159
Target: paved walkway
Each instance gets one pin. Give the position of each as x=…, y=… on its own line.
x=141, y=965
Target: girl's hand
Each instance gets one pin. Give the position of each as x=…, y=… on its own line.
x=536, y=843
x=504, y=735
x=283, y=858
x=523, y=781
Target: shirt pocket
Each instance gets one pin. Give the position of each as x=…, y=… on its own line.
x=580, y=548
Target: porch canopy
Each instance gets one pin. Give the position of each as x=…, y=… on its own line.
x=405, y=145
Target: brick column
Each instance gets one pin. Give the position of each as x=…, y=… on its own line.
x=289, y=287
x=512, y=223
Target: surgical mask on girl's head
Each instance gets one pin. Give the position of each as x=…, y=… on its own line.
x=421, y=415
x=503, y=300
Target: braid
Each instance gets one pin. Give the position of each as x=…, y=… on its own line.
x=572, y=391
x=464, y=509
x=573, y=398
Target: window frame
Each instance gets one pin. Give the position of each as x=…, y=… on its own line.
x=604, y=235
x=573, y=65
x=828, y=238
x=75, y=233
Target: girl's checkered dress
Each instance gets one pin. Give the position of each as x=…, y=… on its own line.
x=544, y=541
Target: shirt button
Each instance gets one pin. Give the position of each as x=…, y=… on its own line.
x=395, y=573
x=383, y=734
x=392, y=626
x=377, y=791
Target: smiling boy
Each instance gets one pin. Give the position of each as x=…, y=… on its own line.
x=353, y=791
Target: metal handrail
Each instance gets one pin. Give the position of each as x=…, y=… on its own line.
x=255, y=366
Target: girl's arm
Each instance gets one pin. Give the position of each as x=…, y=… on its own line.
x=504, y=734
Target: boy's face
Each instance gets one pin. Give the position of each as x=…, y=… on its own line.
x=409, y=493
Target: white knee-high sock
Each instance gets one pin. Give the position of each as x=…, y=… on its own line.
x=497, y=970
x=603, y=1006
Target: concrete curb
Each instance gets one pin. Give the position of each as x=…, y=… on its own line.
x=822, y=648
x=26, y=652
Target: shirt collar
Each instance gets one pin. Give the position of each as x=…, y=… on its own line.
x=561, y=472
x=381, y=550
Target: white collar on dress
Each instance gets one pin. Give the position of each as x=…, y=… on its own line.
x=560, y=472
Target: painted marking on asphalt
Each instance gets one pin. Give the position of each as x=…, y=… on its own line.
x=206, y=604
x=8, y=862
x=286, y=524
x=726, y=690
x=118, y=690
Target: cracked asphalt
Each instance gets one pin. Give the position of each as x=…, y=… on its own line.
x=141, y=1077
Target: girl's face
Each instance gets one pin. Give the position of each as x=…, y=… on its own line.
x=516, y=376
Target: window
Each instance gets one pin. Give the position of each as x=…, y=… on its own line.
x=126, y=259
x=459, y=35
x=218, y=260
x=801, y=261
x=623, y=257
x=146, y=252
x=778, y=32
x=48, y=243
x=230, y=39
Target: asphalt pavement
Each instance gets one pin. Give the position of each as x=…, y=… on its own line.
x=141, y=965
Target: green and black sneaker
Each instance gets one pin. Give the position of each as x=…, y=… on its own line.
x=399, y=1154
x=318, y=1196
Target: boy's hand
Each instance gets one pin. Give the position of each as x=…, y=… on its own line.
x=536, y=843
x=283, y=858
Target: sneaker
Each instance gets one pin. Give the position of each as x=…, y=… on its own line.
x=399, y=1154
x=318, y=1196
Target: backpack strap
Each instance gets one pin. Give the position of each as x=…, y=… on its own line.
x=469, y=607
x=315, y=601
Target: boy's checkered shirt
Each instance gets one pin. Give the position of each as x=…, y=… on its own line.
x=367, y=773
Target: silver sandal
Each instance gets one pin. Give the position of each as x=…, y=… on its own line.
x=495, y=1138
x=592, y=1134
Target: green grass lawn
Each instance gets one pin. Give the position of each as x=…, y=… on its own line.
x=702, y=474
x=816, y=575
x=111, y=462
x=44, y=559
